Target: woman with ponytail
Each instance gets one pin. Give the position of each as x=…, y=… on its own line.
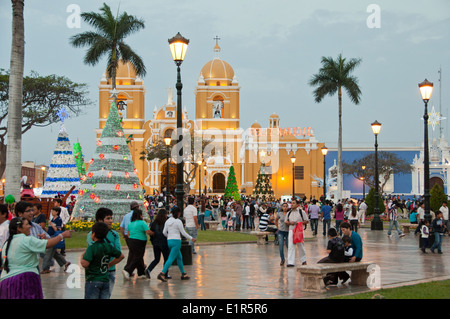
x=20, y=259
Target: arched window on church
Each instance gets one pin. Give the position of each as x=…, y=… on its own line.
x=218, y=107
x=122, y=107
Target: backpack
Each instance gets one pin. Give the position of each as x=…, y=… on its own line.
x=338, y=250
x=301, y=216
x=252, y=210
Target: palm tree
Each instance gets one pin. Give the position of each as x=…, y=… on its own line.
x=14, y=140
x=333, y=76
x=108, y=39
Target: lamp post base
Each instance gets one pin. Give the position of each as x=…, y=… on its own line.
x=376, y=224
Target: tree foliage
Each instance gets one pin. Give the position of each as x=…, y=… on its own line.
x=370, y=201
x=333, y=77
x=388, y=164
x=108, y=39
x=43, y=97
x=437, y=196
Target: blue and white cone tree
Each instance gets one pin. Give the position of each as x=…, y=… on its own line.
x=63, y=173
x=111, y=180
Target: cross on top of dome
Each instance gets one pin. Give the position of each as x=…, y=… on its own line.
x=217, y=47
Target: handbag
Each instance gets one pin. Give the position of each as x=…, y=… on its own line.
x=298, y=233
x=61, y=244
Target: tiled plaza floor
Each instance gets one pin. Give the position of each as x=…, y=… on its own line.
x=250, y=271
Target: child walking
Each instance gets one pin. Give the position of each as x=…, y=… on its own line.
x=425, y=233
x=96, y=261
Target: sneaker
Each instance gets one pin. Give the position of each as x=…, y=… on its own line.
x=439, y=252
x=290, y=266
x=304, y=263
x=402, y=235
x=282, y=263
x=423, y=251
x=142, y=277
x=168, y=277
x=126, y=274
x=162, y=277
x=185, y=277
x=432, y=250
x=147, y=273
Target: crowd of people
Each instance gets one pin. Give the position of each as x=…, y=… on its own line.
x=26, y=235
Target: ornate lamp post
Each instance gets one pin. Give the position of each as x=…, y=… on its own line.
x=167, y=141
x=324, y=153
x=178, y=46
x=376, y=224
x=426, y=88
x=293, y=176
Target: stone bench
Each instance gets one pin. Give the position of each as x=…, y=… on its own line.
x=261, y=235
x=313, y=275
x=406, y=227
x=212, y=224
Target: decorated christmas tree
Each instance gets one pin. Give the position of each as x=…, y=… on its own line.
x=111, y=180
x=263, y=189
x=231, y=190
x=79, y=159
x=62, y=174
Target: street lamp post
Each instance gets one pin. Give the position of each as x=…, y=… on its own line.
x=199, y=162
x=178, y=46
x=293, y=176
x=43, y=175
x=363, y=180
x=426, y=88
x=376, y=224
x=167, y=141
x=204, y=167
x=324, y=153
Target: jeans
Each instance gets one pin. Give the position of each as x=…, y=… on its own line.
x=201, y=221
x=338, y=222
x=282, y=240
x=437, y=241
x=393, y=223
x=51, y=253
x=157, y=251
x=175, y=253
x=326, y=226
x=215, y=213
x=314, y=225
x=252, y=222
x=112, y=281
x=246, y=222
x=96, y=290
x=193, y=232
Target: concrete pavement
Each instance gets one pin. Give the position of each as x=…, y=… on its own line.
x=251, y=271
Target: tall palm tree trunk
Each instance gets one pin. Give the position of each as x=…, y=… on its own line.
x=340, y=181
x=14, y=139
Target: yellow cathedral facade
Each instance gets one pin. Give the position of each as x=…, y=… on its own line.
x=267, y=149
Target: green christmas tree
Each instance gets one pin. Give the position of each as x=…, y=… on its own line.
x=79, y=159
x=231, y=190
x=263, y=189
x=111, y=180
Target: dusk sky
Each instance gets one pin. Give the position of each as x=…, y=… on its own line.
x=274, y=47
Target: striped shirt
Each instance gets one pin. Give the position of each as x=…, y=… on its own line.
x=263, y=222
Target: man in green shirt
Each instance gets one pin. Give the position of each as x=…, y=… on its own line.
x=105, y=215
